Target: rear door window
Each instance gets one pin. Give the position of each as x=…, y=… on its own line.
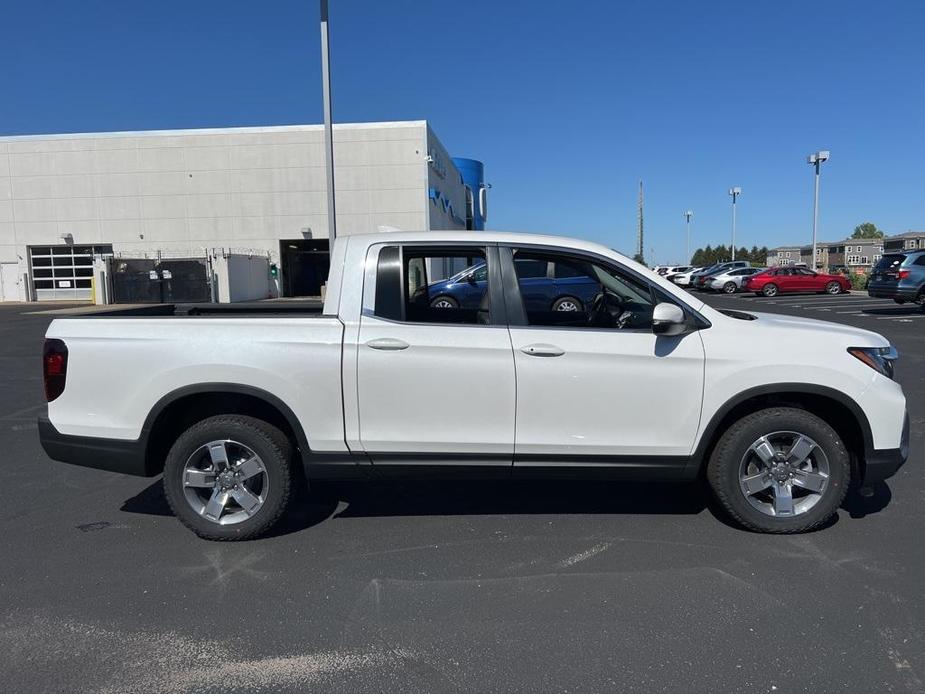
x=432, y=285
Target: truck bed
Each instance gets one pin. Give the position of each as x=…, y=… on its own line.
x=121, y=366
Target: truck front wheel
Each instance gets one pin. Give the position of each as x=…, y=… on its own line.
x=780, y=470
x=229, y=477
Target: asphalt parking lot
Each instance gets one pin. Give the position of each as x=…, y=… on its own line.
x=456, y=587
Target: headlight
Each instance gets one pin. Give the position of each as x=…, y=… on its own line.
x=878, y=358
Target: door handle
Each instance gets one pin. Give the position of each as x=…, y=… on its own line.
x=539, y=350
x=389, y=344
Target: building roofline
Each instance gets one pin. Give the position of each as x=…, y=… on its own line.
x=213, y=131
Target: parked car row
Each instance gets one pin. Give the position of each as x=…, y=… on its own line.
x=725, y=277
x=903, y=284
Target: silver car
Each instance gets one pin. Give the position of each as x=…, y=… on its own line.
x=730, y=282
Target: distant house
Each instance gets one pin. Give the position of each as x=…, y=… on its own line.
x=908, y=241
x=854, y=254
x=822, y=254
x=783, y=255
x=850, y=255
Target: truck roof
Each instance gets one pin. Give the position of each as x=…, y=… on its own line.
x=464, y=236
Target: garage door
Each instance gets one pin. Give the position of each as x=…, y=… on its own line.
x=64, y=272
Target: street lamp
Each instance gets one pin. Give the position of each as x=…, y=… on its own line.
x=735, y=192
x=687, y=216
x=816, y=160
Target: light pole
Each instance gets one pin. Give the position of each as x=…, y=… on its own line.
x=328, y=132
x=687, y=216
x=735, y=192
x=816, y=160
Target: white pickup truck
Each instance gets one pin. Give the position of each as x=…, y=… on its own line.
x=476, y=354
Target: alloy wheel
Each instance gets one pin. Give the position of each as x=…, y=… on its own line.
x=784, y=474
x=225, y=482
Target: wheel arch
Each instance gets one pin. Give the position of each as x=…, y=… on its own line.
x=181, y=408
x=837, y=409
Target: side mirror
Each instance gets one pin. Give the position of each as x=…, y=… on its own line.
x=470, y=278
x=668, y=319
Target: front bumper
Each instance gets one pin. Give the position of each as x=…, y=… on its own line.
x=883, y=464
x=114, y=455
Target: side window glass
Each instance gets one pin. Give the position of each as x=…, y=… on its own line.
x=920, y=260
x=445, y=286
x=597, y=296
x=568, y=271
x=530, y=269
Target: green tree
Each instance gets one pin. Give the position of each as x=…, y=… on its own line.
x=867, y=230
x=639, y=259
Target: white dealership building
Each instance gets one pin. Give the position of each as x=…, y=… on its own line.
x=231, y=193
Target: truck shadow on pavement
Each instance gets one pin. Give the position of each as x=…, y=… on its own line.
x=377, y=498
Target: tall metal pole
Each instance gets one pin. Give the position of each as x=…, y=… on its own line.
x=815, y=208
x=733, y=227
x=735, y=191
x=688, y=216
x=816, y=159
x=328, y=131
x=641, y=249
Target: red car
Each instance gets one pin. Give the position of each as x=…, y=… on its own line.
x=795, y=279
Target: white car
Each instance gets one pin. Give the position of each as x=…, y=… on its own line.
x=234, y=403
x=672, y=270
x=683, y=279
x=731, y=281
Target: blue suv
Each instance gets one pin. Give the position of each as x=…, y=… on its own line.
x=544, y=285
x=900, y=277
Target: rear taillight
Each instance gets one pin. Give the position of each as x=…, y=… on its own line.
x=54, y=368
x=903, y=274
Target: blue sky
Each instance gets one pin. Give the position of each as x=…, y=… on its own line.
x=568, y=104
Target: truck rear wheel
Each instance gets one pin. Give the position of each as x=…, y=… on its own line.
x=780, y=470
x=229, y=477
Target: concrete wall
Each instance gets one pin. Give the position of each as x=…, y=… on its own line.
x=242, y=188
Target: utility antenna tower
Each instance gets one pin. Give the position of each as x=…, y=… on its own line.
x=640, y=247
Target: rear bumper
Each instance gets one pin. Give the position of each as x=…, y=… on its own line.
x=883, y=464
x=892, y=292
x=114, y=455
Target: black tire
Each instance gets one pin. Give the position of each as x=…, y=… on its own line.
x=769, y=290
x=274, y=451
x=723, y=469
x=444, y=302
x=833, y=287
x=558, y=304
x=730, y=288
x=900, y=301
